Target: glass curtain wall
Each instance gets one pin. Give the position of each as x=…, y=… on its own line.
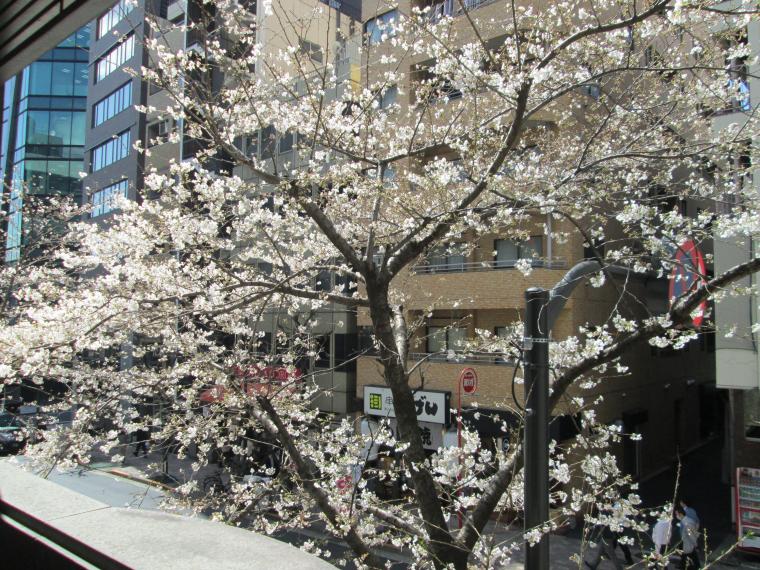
x=44, y=132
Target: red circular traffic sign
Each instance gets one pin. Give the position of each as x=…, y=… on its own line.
x=688, y=274
x=469, y=380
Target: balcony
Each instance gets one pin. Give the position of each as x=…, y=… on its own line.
x=479, y=358
x=494, y=382
x=440, y=9
x=456, y=267
x=477, y=285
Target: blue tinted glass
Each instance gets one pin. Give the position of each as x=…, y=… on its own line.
x=60, y=127
x=39, y=78
x=78, y=125
x=63, y=78
x=58, y=176
x=25, y=82
x=69, y=42
x=10, y=85
x=35, y=176
x=83, y=37
x=38, y=126
x=80, y=79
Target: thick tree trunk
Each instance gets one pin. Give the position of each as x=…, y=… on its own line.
x=442, y=545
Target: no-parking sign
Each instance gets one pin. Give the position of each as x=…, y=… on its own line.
x=688, y=274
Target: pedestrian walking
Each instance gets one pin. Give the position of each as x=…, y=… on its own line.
x=661, y=533
x=606, y=541
x=689, y=537
x=141, y=442
x=690, y=512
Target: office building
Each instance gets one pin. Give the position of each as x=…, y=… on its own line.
x=43, y=133
x=458, y=288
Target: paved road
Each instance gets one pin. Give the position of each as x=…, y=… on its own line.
x=124, y=492
x=107, y=488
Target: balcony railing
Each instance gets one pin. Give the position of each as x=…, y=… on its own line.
x=426, y=268
x=459, y=358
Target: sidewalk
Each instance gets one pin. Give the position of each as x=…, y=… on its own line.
x=564, y=549
x=149, y=469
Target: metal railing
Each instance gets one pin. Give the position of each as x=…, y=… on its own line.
x=454, y=267
x=486, y=358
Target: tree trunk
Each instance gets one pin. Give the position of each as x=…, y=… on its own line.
x=441, y=544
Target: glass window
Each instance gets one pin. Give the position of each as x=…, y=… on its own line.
x=322, y=351
x=25, y=81
x=21, y=133
x=39, y=78
x=286, y=142
x=112, y=104
x=75, y=167
x=58, y=176
x=509, y=251
x=533, y=248
x=69, y=42
x=104, y=201
x=35, y=176
x=381, y=28
x=82, y=38
x=77, y=128
x=38, y=127
x=113, y=16
x=110, y=151
x=60, y=127
x=252, y=145
x=268, y=140
x=506, y=253
x=113, y=59
x=456, y=338
x=436, y=339
x=80, y=79
x=448, y=257
x=388, y=98
x=437, y=257
x=442, y=339
x=63, y=79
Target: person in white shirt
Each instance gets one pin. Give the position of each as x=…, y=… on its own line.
x=689, y=540
x=661, y=534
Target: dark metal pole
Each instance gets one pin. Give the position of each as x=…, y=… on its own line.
x=536, y=437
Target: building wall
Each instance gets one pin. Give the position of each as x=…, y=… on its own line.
x=666, y=396
x=737, y=355
x=331, y=33
x=130, y=167
x=44, y=131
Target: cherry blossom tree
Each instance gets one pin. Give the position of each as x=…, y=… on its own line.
x=598, y=114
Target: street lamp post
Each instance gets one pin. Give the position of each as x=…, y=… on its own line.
x=542, y=308
x=536, y=432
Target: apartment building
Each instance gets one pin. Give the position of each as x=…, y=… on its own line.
x=456, y=289
x=113, y=166
x=737, y=358
x=43, y=132
x=330, y=35
x=325, y=33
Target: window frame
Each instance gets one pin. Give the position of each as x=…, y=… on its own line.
x=374, y=34
x=102, y=200
x=107, y=21
x=521, y=247
x=110, y=151
x=114, y=58
x=448, y=341
x=114, y=103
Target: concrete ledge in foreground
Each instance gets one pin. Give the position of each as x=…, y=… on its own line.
x=142, y=539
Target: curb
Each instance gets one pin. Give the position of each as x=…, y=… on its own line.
x=138, y=479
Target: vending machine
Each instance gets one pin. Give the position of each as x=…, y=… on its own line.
x=748, y=508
